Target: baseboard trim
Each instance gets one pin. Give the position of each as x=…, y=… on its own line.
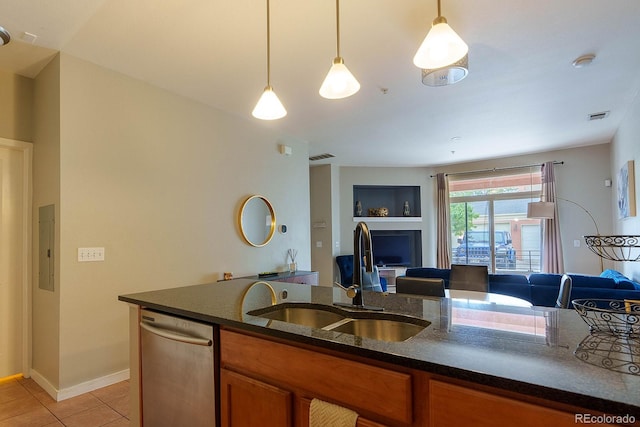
x=78, y=389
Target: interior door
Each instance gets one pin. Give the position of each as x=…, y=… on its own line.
x=12, y=222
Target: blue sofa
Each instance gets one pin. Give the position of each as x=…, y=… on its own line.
x=542, y=289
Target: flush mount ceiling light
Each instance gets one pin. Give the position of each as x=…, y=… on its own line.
x=443, y=55
x=5, y=37
x=339, y=83
x=269, y=106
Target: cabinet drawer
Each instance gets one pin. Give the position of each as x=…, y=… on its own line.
x=369, y=390
x=452, y=405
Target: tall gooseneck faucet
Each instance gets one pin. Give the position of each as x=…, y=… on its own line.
x=360, y=235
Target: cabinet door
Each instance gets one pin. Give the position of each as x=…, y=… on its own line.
x=452, y=405
x=246, y=402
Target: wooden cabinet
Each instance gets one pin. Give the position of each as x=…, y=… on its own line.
x=249, y=402
x=453, y=405
x=260, y=376
x=255, y=368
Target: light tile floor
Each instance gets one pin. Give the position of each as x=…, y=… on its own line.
x=25, y=403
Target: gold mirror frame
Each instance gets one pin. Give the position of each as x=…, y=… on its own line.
x=241, y=216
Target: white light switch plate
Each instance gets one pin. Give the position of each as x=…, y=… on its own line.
x=90, y=254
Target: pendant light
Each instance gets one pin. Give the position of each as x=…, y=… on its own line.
x=269, y=106
x=5, y=37
x=443, y=55
x=339, y=83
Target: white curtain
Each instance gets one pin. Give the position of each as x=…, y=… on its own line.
x=443, y=250
x=552, y=261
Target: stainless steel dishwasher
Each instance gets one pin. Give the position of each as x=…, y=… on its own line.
x=177, y=370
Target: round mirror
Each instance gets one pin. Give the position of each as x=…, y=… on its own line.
x=257, y=221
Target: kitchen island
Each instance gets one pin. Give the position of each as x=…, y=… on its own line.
x=474, y=358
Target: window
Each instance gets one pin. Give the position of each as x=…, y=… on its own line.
x=489, y=224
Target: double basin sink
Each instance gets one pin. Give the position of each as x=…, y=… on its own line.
x=366, y=324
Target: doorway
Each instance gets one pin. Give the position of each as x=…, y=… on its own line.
x=15, y=252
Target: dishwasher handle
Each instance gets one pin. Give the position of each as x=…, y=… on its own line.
x=164, y=333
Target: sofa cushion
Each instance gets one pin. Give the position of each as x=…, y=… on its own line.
x=622, y=282
x=582, y=281
x=508, y=278
x=545, y=279
x=544, y=295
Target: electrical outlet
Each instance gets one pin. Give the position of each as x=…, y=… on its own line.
x=90, y=254
x=576, y=243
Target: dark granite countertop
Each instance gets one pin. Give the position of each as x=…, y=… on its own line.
x=508, y=347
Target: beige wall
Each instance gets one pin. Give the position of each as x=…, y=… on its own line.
x=156, y=180
x=324, y=221
x=580, y=179
x=626, y=146
x=16, y=106
x=46, y=191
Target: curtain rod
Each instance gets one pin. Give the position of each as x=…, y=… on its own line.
x=498, y=169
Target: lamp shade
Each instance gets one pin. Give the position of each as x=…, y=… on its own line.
x=5, y=37
x=447, y=75
x=339, y=83
x=269, y=106
x=441, y=47
x=544, y=210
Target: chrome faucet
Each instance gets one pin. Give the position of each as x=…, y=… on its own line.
x=360, y=235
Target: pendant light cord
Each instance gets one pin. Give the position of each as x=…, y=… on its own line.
x=338, y=28
x=268, y=46
x=439, y=14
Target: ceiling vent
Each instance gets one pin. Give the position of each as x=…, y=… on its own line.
x=598, y=116
x=321, y=157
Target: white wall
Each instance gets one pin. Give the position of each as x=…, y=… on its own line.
x=350, y=176
x=625, y=147
x=157, y=180
x=580, y=179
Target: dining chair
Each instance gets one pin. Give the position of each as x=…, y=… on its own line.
x=469, y=277
x=564, y=295
x=420, y=286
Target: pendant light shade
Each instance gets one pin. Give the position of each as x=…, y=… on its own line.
x=441, y=47
x=443, y=55
x=447, y=75
x=269, y=106
x=339, y=83
x=5, y=37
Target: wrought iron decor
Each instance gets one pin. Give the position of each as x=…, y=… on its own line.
x=620, y=354
x=615, y=248
x=616, y=317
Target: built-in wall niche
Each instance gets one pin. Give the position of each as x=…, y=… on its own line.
x=401, y=202
x=397, y=248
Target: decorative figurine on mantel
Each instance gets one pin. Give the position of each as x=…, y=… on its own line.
x=406, y=211
x=358, y=208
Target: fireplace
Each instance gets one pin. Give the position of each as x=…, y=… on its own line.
x=397, y=248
